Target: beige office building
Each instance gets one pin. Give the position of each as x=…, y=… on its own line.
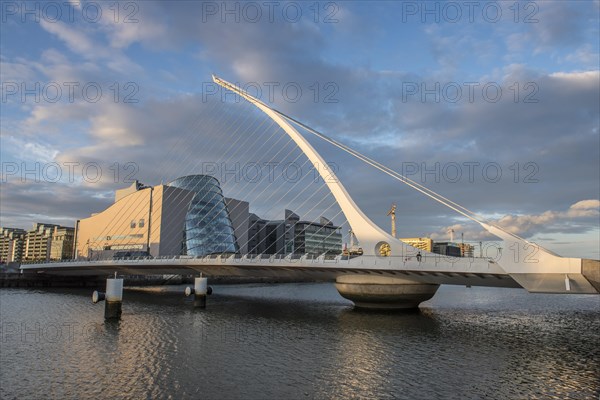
x=188, y=216
x=142, y=221
x=39, y=244
x=61, y=245
x=466, y=250
x=12, y=242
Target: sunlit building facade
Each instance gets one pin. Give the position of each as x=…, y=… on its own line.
x=61, y=245
x=466, y=250
x=37, y=242
x=419, y=243
x=188, y=216
x=12, y=243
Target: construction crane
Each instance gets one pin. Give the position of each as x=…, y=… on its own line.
x=392, y=212
x=354, y=249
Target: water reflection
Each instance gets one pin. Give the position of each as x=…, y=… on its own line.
x=298, y=341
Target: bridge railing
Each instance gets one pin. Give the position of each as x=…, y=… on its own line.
x=429, y=258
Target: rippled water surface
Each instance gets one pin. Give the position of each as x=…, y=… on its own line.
x=298, y=341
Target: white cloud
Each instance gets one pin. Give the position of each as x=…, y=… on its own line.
x=559, y=134
x=584, y=55
x=584, y=214
x=17, y=71
x=584, y=209
x=28, y=150
x=114, y=125
x=583, y=78
x=77, y=41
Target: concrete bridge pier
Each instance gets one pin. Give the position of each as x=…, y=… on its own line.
x=381, y=292
x=200, y=291
x=113, y=298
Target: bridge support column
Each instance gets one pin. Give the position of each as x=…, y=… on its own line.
x=113, y=298
x=200, y=291
x=380, y=292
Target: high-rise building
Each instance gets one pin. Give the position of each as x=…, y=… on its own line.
x=12, y=242
x=38, y=242
x=62, y=243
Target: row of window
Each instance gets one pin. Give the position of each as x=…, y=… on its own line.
x=140, y=223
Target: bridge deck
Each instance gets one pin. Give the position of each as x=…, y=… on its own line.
x=438, y=270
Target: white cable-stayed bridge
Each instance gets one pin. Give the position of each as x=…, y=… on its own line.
x=389, y=273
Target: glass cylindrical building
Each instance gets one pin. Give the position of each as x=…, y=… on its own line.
x=208, y=227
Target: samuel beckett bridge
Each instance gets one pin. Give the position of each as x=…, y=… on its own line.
x=388, y=274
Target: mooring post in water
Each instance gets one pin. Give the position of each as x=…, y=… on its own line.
x=113, y=297
x=200, y=291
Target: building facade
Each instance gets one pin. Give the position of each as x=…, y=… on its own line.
x=239, y=213
x=12, y=244
x=275, y=239
x=447, y=249
x=443, y=248
x=293, y=236
x=145, y=221
x=256, y=234
x=425, y=244
x=271, y=237
x=208, y=226
x=62, y=243
x=188, y=216
x=47, y=242
x=466, y=250
x=37, y=242
x=317, y=239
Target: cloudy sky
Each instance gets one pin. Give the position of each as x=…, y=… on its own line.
x=495, y=105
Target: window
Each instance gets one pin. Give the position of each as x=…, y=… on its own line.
x=141, y=223
x=132, y=225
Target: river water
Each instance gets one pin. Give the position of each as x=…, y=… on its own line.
x=298, y=341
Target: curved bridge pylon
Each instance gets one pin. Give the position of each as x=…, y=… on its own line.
x=533, y=267
x=366, y=231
